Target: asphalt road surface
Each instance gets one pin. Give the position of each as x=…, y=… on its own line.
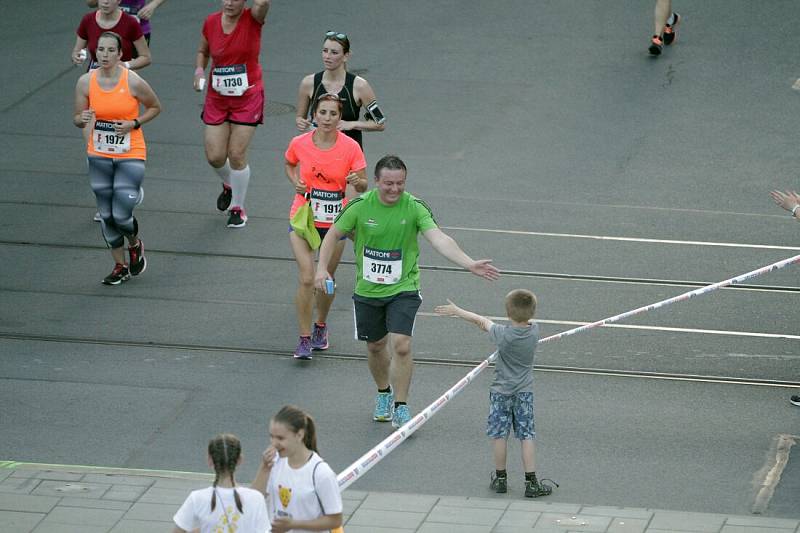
x=544, y=137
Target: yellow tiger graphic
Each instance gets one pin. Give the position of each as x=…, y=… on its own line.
x=285, y=495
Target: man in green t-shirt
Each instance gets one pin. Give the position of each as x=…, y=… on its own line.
x=384, y=223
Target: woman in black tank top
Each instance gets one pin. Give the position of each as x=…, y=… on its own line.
x=353, y=91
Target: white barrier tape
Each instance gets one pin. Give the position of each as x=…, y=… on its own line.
x=680, y=297
x=349, y=475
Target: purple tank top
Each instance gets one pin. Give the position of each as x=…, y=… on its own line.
x=132, y=7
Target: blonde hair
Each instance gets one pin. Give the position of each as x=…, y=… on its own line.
x=520, y=305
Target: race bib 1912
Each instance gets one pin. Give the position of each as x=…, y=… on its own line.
x=326, y=204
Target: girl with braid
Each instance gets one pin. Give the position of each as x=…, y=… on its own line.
x=223, y=507
x=302, y=491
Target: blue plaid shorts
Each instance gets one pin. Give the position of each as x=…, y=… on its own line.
x=511, y=410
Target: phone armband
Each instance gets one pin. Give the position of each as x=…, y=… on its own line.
x=375, y=112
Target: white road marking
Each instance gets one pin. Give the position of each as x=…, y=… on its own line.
x=652, y=328
x=625, y=239
x=796, y=85
x=667, y=377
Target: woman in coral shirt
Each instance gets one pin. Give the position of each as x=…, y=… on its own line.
x=327, y=167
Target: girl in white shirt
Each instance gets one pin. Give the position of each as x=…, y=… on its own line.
x=223, y=507
x=302, y=491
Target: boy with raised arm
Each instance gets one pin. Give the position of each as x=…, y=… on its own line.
x=511, y=392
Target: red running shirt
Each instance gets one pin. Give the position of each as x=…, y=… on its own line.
x=240, y=47
x=127, y=27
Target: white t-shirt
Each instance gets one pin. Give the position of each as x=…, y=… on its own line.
x=196, y=512
x=291, y=492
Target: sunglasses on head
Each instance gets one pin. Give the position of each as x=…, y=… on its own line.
x=328, y=96
x=336, y=34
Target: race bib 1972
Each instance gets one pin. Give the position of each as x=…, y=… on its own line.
x=108, y=141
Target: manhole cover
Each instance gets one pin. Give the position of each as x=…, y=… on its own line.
x=272, y=109
x=69, y=487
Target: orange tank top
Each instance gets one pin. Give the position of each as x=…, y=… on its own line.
x=108, y=106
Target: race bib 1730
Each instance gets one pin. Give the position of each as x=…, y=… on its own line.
x=229, y=80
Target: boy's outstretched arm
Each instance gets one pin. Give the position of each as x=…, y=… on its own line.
x=452, y=309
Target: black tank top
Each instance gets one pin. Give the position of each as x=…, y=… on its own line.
x=350, y=109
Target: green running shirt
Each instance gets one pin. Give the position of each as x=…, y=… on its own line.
x=385, y=242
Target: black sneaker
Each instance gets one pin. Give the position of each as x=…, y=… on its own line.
x=671, y=30
x=535, y=488
x=118, y=275
x=138, y=263
x=795, y=400
x=224, y=198
x=499, y=484
x=656, y=44
x=237, y=218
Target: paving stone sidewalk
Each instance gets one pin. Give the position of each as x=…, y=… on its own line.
x=55, y=499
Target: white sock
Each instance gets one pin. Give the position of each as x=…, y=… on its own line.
x=224, y=172
x=239, y=181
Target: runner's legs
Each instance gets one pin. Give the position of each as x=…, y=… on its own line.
x=324, y=301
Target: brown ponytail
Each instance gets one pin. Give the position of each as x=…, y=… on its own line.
x=297, y=419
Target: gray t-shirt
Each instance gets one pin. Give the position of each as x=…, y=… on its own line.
x=513, y=370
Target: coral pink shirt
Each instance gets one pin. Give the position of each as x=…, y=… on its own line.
x=325, y=173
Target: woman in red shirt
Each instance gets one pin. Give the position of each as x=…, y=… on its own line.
x=234, y=103
x=328, y=167
x=109, y=17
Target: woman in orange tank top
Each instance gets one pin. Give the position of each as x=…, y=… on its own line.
x=108, y=101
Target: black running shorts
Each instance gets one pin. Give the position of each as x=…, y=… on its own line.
x=375, y=317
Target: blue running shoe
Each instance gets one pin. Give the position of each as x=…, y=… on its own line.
x=303, y=350
x=401, y=416
x=319, y=337
x=384, y=407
